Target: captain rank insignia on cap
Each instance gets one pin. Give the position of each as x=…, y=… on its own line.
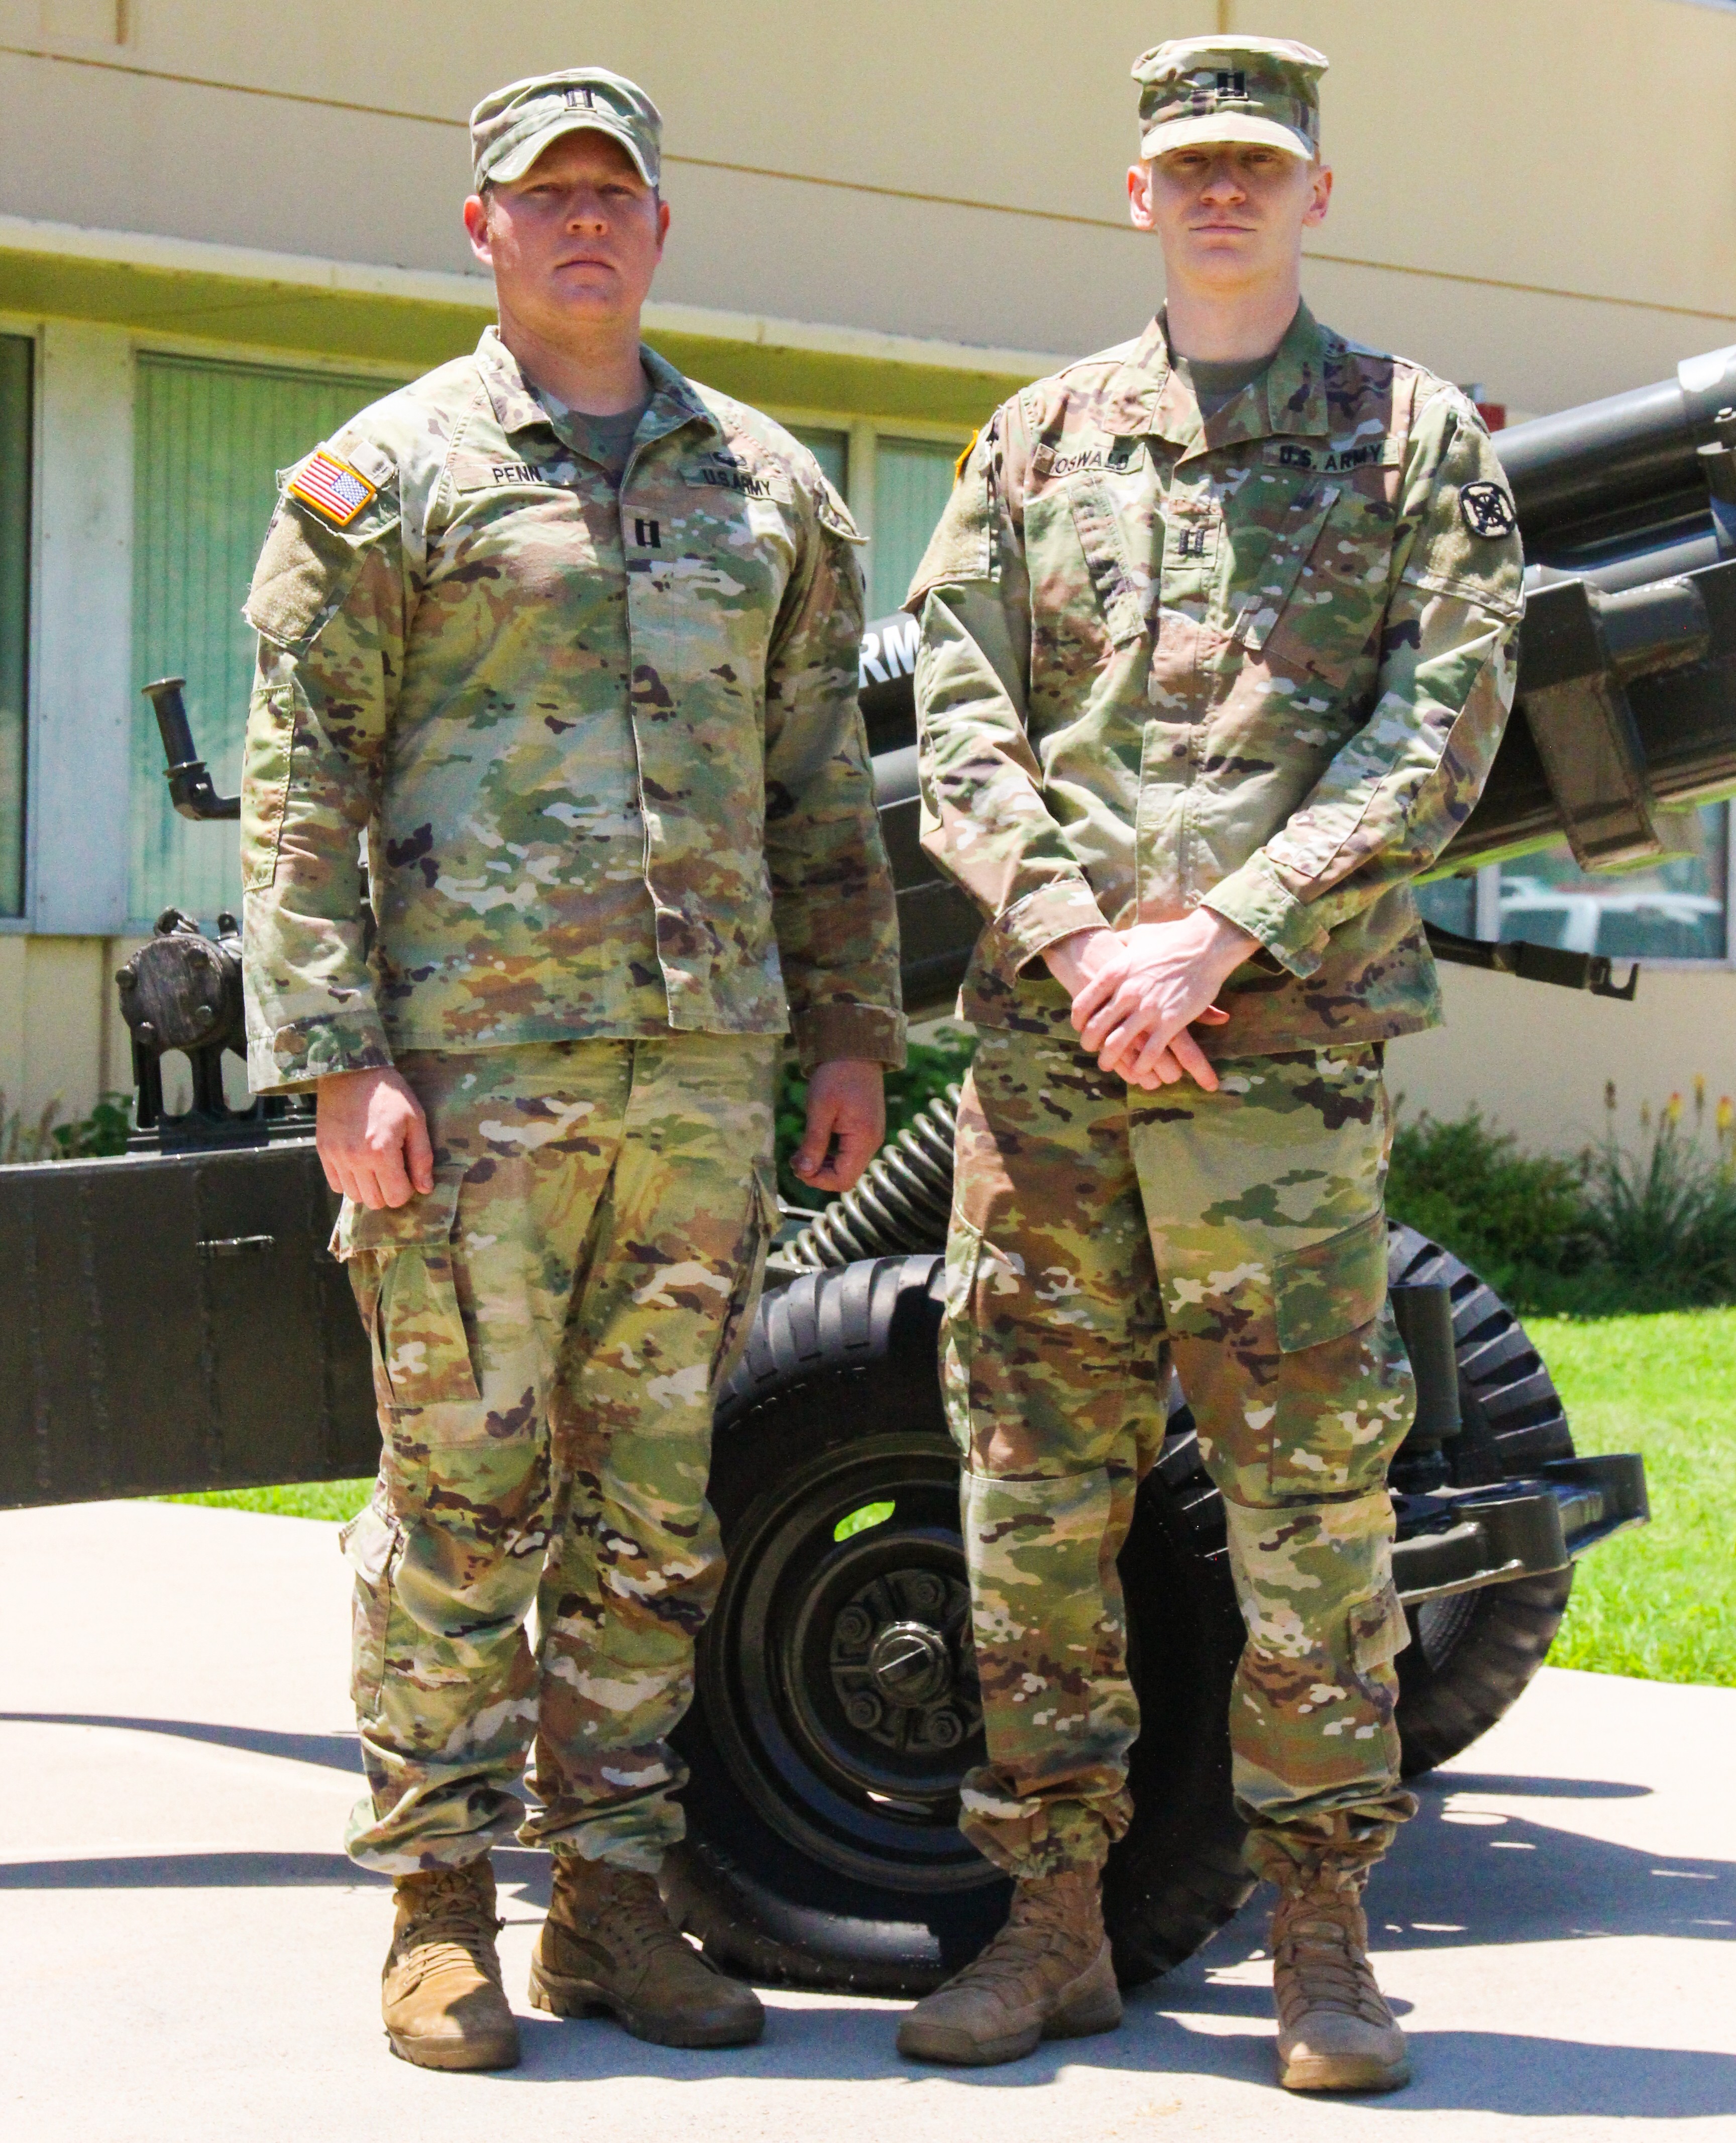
x=336, y=492
x=1486, y=510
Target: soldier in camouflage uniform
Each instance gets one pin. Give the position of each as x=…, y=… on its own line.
x=585, y=685
x=1216, y=649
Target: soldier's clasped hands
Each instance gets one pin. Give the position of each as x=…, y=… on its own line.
x=1137, y=994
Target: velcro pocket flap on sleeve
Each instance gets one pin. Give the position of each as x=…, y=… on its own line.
x=836, y=515
x=1332, y=1288
x=309, y=563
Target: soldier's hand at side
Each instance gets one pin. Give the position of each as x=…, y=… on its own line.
x=372, y=1139
x=846, y=1101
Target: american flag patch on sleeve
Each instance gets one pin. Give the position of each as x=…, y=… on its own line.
x=336, y=492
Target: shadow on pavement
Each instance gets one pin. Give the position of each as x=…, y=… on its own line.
x=1498, y=2072
x=237, y=1871
x=1457, y=2071
x=1460, y=1876
x=337, y=1751
x=1515, y=1788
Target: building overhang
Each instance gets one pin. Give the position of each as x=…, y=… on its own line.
x=413, y=318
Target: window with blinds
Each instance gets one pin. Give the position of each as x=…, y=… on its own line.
x=16, y=354
x=912, y=481
x=210, y=440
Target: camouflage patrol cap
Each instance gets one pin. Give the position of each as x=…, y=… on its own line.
x=511, y=128
x=1196, y=90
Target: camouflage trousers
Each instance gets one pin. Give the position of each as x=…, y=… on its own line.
x=548, y=1326
x=1098, y=1234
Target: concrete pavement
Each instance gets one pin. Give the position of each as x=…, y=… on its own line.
x=188, y=1954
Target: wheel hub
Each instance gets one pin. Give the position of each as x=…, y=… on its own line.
x=910, y=1664
x=896, y=1666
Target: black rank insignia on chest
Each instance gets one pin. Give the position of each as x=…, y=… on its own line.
x=1486, y=510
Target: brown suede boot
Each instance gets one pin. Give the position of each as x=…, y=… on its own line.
x=440, y=1992
x=1334, y=2031
x=1047, y=1975
x=609, y=1945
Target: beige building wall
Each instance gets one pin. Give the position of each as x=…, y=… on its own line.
x=1536, y=1061
x=883, y=214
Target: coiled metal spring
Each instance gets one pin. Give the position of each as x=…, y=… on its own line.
x=901, y=1204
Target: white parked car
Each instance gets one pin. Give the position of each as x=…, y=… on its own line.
x=1633, y=923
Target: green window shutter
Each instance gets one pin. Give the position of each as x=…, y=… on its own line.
x=912, y=482
x=210, y=440
x=16, y=354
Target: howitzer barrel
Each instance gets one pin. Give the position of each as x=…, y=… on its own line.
x=1609, y=470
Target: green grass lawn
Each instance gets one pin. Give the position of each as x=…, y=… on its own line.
x=337, y=1501
x=1660, y=1601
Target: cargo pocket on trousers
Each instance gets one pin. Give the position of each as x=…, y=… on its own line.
x=1334, y=1413
x=765, y=1218
x=1332, y=1288
x=1378, y=1629
x=401, y=1260
x=373, y=1544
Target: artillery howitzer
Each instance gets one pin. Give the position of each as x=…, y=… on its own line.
x=172, y=1321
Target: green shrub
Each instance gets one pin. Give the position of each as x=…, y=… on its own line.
x=1520, y=1220
x=20, y=1141
x=100, y=1135
x=1612, y=1233
x=1665, y=1220
x=103, y=1131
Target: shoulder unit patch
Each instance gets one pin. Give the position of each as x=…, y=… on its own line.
x=336, y=492
x=1486, y=510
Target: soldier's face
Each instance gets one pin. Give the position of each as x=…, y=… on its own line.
x=576, y=240
x=1229, y=214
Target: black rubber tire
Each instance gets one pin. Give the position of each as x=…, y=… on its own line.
x=789, y=1877
x=1472, y=1654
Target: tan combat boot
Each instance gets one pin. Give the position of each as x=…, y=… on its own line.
x=440, y=1992
x=1334, y=2031
x=1047, y=1975
x=609, y=1945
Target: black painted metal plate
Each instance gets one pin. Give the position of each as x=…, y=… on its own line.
x=174, y=1322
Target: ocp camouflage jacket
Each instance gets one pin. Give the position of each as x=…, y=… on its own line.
x=604, y=748
x=1262, y=662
